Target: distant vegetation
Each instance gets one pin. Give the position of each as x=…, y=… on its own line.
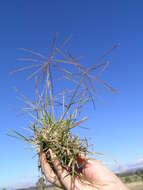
x=132, y=176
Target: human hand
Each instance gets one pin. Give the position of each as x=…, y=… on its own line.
x=99, y=176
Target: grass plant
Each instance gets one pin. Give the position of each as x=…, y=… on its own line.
x=53, y=113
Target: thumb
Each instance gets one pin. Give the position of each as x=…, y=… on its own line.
x=95, y=170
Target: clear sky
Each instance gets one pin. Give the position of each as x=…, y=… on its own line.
x=116, y=127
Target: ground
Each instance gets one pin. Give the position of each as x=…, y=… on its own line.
x=135, y=186
x=132, y=186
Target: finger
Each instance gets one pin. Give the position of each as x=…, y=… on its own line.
x=47, y=170
x=95, y=170
x=63, y=175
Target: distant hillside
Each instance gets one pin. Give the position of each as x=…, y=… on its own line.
x=130, y=172
x=131, y=167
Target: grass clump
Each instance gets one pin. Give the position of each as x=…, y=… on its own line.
x=57, y=137
x=55, y=114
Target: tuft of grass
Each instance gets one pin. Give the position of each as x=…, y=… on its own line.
x=55, y=114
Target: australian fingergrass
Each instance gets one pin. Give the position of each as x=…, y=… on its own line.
x=53, y=113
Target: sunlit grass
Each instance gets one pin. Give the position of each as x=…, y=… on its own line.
x=51, y=130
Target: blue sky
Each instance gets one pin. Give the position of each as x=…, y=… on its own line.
x=115, y=128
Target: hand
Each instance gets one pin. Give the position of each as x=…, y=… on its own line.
x=94, y=171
